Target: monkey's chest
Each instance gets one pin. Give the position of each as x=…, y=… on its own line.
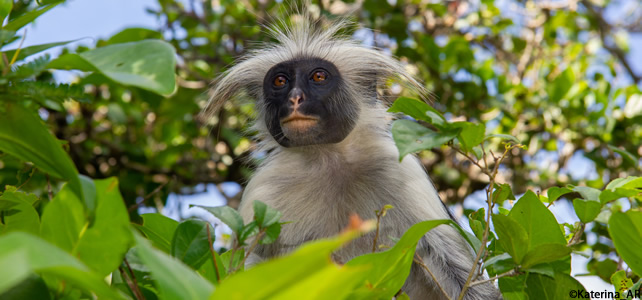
x=320, y=204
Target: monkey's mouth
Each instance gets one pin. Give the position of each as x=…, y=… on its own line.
x=299, y=123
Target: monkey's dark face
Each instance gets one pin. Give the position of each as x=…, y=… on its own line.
x=304, y=103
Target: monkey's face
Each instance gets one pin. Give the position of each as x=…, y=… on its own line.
x=304, y=103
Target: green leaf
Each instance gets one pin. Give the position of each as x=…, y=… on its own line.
x=471, y=134
x=14, y=269
x=628, y=156
x=621, y=188
x=418, y=110
x=19, y=213
x=33, y=287
x=104, y=245
x=626, y=231
x=586, y=210
x=512, y=236
x=191, y=243
x=503, y=137
x=63, y=219
x=502, y=192
x=159, y=230
x=544, y=269
x=386, y=279
x=271, y=234
x=27, y=18
x=31, y=50
x=43, y=258
x=174, y=279
x=208, y=271
x=235, y=260
x=24, y=136
x=6, y=36
x=147, y=64
x=412, y=137
x=604, y=269
x=588, y=193
x=227, y=215
x=539, y=223
x=331, y=282
x=555, y=192
x=477, y=222
x=630, y=182
x=513, y=288
x=620, y=281
x=547, y=288
x=309, y=261
x=249, y=230
x=499, y=264
x=134, y=34
x=265, y=216
x=545, y=253
x=561, y=85
x=5, y=9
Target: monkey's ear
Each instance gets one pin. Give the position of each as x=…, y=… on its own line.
x=237, y=80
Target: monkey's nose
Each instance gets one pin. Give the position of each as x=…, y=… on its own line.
x=296, y=97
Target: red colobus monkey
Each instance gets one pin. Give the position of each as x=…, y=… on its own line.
x=329, y=153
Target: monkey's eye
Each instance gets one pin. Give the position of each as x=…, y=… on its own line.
x=319, y=76
x=280, y=81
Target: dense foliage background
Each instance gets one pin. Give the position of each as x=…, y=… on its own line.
x=550, y=78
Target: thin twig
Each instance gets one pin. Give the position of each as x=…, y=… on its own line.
x=255, y=243
x=509, y=273
x=420, y=262
x=152, y=193
x=489, y=201
x=209, y=240
x=131, y=281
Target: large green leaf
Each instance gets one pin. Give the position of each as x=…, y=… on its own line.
x=33, y=287
x=389, y=269
x=471, y=134
x=148, y=64
x=512, y=236
x=227, y=215
x=310, y=261
x=159, y=230
x=63, y=219
x=23, y=251
x=545, y=253
x=19, y=213
x=626, y=231
x=586, y=210
x=134, y=34
x=191, y=243
x=24, y=135
x=555, y=192
x=419, y=110
x=264, y=215
x=175, y=280
x=539, y=223
x=412, y=137
x=104, y=244
x=5, y=9
x=562, y=286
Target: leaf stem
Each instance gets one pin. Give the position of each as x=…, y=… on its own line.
x=209, y=240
